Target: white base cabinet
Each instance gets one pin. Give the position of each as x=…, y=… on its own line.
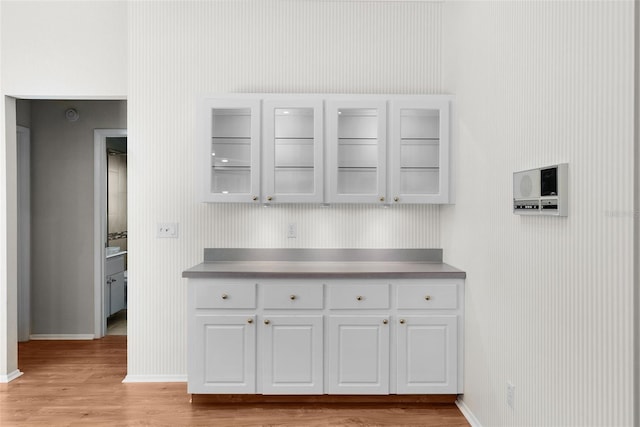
x=292, y=355
x=308, y=336
x=359, y=355
x=224, y=354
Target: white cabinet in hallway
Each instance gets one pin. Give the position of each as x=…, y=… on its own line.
x=114, y=285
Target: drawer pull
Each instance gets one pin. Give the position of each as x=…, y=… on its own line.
x=385, y=321
x=359, y=297
x=396, y=199
x=269, y=198
x=402, y=321
x=382, y=199
x=428, y=297
x=249, y=321
x=266, y=322
x=225, y=296
x=254, y=198
x=292, y=297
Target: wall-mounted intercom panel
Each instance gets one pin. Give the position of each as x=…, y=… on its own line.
x=541, y=191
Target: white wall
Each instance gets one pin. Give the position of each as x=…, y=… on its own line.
x=64, y=49
x=549, y=300
x=180, y=50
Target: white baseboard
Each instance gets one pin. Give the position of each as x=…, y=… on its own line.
x=61, y=337
x=10, y=377
x=467, y=413
x=155, y=379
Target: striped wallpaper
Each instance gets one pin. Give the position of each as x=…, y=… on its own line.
x=549, y=300
x=182, y=49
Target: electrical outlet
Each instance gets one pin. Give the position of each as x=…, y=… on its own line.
x=511, y=389
x=292, y=230
x=167, y=230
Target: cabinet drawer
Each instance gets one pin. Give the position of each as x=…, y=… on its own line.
x=428, y=296
x=358, y=296
x=293, y=296
x=220, y=295
x=114, y=265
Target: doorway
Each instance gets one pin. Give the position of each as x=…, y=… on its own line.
x=110, y=231
x=117, y=250
x=60, y=238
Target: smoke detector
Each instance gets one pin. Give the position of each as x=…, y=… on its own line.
x=72, y=115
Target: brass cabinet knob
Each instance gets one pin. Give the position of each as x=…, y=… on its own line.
x=269, y=198
x=254, y=198
x=225, y=296
x=292, y=297
x=396, y=199
x=385, y=321
x=266, y=322
x=402, y=321
x=427, y=297
x=249, y=321
x=359, y=298
x=382, y=199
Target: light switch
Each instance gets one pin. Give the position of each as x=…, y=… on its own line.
x=167, y=230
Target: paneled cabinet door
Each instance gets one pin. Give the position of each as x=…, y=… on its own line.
x=116, y=292
x=359, y=354
x=223, y=356
x=427, y=356
x=356, y=151
x=292, y=355
x=419, y=151
x=230, y=153
x=293, y=166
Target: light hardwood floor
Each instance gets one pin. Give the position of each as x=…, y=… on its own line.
x=78, y=383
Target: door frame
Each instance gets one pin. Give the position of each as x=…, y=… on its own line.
x=23, y=148
x=100, y=222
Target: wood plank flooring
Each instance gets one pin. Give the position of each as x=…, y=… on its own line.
x=78, y=383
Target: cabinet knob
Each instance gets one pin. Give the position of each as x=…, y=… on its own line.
x=402, y=321
x=225, y=296
x=382, y=199
x=267, y=321
x=427, y=297
x=254, y=198
x=396, y=199
x=385, y=321
x=249, y=321
x=292, y=297
x=359, y=298
x=269, y=198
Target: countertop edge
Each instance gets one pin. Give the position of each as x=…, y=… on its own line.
x=342, y=275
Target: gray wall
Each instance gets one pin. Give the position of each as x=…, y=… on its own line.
x=62, y=212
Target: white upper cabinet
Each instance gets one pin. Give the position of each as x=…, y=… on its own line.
x=293, y=151
x=419, y=150
x=323, y=148
x=356, y=151
x=231, y=158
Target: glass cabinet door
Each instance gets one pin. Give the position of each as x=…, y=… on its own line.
x=419, y=151
x=232, y=129
x=293, y=151
x=356, y=151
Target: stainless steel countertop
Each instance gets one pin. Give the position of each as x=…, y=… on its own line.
x=323, y=269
